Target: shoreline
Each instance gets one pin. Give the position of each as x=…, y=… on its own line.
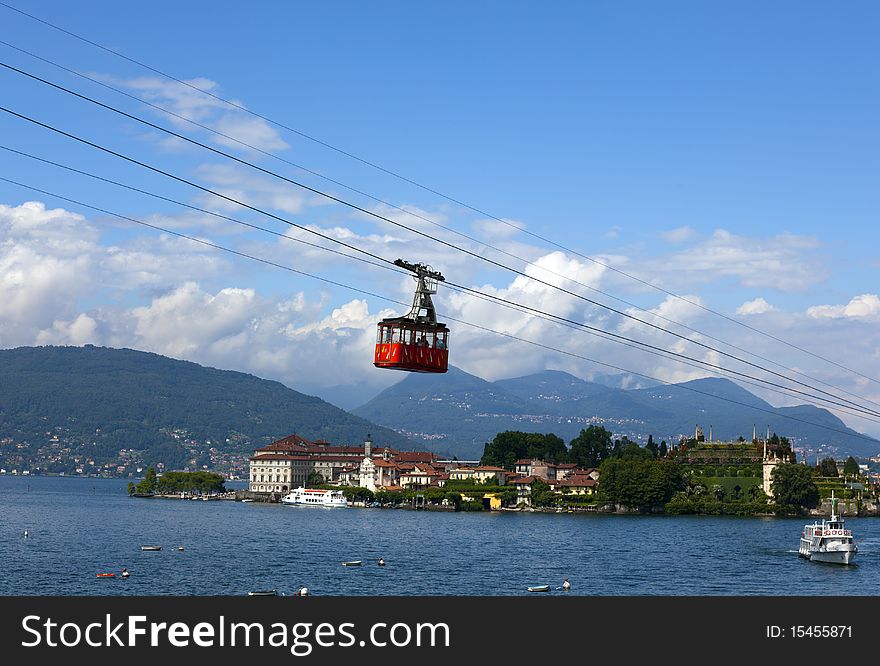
x=607, y=510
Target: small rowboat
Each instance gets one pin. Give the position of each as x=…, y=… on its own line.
x=151, y=547
x=263, y=593
x=353, y=563
x=105, y=575
x=539, y=588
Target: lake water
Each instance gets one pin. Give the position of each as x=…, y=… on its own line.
x=80, y=527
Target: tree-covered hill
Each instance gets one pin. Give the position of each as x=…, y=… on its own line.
x=121, y=398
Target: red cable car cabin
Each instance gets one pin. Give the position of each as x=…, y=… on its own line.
x=414, y=342
x=404, y=344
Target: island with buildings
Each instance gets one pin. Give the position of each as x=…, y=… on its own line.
x=529, y=472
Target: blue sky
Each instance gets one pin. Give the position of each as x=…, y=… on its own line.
x=726, y=151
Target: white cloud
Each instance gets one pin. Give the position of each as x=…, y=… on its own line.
x=82, y=330
x=199, y=107
x=784, y=262
x=612, y=232
x=865, y=307
x=46, y=260
x=755, y=307
x=185, y=320
x=678, y=235
x=493, y=230
x=684, y=310
x=249, y=188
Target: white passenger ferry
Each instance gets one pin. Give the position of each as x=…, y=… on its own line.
x=315, y=497
x=828, y=541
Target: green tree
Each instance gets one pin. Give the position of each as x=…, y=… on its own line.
x=652, y=447
x=793, y=487
x=195, y=482
x=131, y=488
x=640, y=483
x=591, y=447
x=148, y=485
x=314, y=479
x=851, y=467
x=541, y=494
x=357, y=494
x=827, y=467
x=663, y=451
x=626, y=449
x=509, y=446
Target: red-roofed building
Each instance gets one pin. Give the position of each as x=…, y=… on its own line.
x=286, y=464
x=576, y=484
x=422, y=476
x=415, y=457
x=485, y=474
x=523, y=486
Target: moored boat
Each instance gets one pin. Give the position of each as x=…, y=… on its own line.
x=539, y=588
x=151, y=547
x=263, y=593
x=352, y=563
x=315, y=497
x=105, y=575
x=828, y=541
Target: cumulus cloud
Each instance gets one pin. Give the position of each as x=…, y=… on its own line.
x=683, y=310
x=755, y=307
x=785, y=262
x=865, y=307
x=47, y=257
x=52, y=259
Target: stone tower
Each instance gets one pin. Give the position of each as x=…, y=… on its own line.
x=769, y=464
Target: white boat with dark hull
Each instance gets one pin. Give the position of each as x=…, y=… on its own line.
x=828, y=541
x=315, y=497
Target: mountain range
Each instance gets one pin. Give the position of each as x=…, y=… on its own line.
x=109, y=400
x=458, y=412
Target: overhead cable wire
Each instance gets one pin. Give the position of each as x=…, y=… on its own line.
x=405, y=304
x=362, y=210
x=614, y=337
x=436, y=192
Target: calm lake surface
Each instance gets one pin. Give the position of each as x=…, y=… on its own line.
x=80, y=527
